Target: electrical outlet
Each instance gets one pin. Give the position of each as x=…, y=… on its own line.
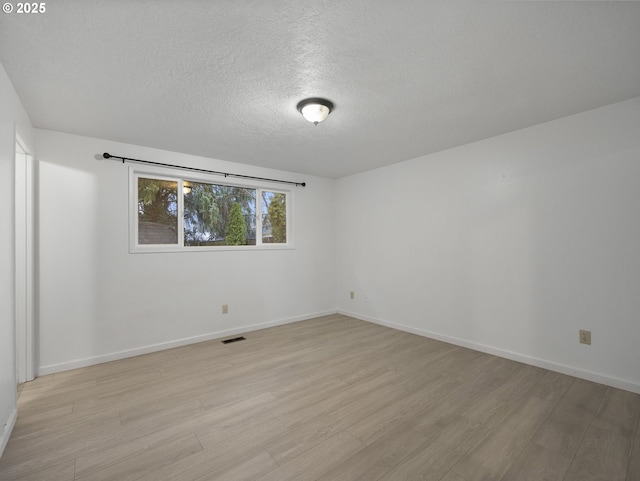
x=585, y=337
x=225, y=308
x=352, y=295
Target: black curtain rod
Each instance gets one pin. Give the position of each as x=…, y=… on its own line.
x=107, y=155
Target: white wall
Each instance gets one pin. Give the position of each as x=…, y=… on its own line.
x=508, y=245
x=99, y=302
x=12, y=118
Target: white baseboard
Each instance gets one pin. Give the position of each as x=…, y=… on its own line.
x=514, y=356
x=8, y=429
x=90, y=361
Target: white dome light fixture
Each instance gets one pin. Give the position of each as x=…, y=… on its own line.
x=315, y=109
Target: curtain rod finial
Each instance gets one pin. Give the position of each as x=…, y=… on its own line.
x=106, y=155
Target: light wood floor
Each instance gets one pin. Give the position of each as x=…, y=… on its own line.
x=333, y=398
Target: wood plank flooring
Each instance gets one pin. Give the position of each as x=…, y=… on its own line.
x=327, y=399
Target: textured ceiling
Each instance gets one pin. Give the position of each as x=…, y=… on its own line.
x=222, y=78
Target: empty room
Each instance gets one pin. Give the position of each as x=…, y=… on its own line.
x=319, y=240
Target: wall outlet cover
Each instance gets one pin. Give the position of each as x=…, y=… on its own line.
x=585, y=337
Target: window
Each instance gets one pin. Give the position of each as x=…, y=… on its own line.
x=188, y=214
x=274, y=217
x=157, y=211
x=219, y=215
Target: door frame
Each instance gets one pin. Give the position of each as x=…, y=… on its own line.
x=24, y=261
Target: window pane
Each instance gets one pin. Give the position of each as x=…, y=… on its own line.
x=219, y=215
x=274, y=218
x=157, y=211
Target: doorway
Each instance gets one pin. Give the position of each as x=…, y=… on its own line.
x=24, y=255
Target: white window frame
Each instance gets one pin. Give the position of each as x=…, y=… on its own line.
x=180, y=177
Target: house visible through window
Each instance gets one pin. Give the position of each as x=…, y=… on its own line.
x=157, y=211
x=184, y=214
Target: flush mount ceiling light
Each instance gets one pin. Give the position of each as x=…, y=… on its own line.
x=315, y=110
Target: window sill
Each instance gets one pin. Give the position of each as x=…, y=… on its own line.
x=160, y=249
